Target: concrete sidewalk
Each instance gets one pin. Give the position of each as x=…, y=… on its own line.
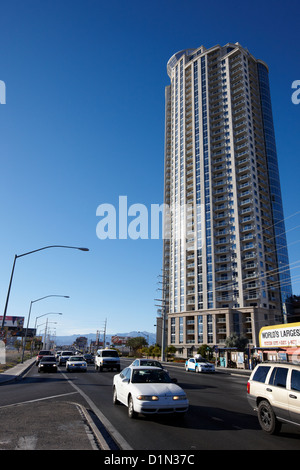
x=16, y=372
x=46, y=424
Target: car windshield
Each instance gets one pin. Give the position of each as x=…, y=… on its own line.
x=45, y=353
x=66, y=353
x=76, y=358
x=48, y=359
x=150, y=376
x=110, y=354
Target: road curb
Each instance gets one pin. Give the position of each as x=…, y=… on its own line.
x=95, y=431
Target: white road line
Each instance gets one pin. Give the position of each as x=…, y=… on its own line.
x=106, y=423
x=38, y=399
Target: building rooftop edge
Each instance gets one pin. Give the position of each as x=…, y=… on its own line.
x=202, y=50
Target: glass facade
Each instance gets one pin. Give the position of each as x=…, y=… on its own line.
x=274, y=184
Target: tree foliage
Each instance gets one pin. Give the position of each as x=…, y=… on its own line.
x=236, y=341
x=136, y=343
x=205, y=351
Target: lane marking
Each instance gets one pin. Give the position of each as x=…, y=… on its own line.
x=106, y=423
x=37, y=399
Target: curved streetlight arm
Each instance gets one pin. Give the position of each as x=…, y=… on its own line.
x=29, y=253
x=52, y=246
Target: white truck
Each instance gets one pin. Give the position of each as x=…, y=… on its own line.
x=107, y=359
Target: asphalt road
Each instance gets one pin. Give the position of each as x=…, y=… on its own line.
x=219, y=417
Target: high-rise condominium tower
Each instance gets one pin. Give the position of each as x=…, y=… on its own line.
x=225, y=265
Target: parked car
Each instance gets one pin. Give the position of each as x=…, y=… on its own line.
x=273, y=390
x=148, y=390
x=42, y=353
x=76, y=363
x=64, y=357
x=199, y=365
x=47, y=364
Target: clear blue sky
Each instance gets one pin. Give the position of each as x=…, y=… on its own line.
x=84, y=123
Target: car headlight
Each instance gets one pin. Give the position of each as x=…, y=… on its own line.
x=148, y=397
x=179, y=397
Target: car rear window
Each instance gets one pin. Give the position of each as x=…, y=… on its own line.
x=261, y=373
x=295, y=380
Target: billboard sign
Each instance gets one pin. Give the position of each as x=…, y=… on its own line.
x=12, y=322
x=285, y=335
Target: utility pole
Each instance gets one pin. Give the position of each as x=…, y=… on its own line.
x=163, y=307
x=104, y=335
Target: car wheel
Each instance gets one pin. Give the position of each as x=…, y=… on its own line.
x=267, y=418
x=115, y=397
x=131, y=412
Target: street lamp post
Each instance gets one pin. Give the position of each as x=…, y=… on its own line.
x=29, y=253
x=46, y=332
x=50, y=313
x=33, y=301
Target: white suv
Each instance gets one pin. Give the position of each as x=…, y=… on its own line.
x=273, y=390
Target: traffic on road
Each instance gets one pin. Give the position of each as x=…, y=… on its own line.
x=213, y=407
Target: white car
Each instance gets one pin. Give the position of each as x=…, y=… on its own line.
x=148, y=390
x=76, y=363
x=199, y=365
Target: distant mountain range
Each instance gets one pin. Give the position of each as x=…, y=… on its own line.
x=68, y=340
